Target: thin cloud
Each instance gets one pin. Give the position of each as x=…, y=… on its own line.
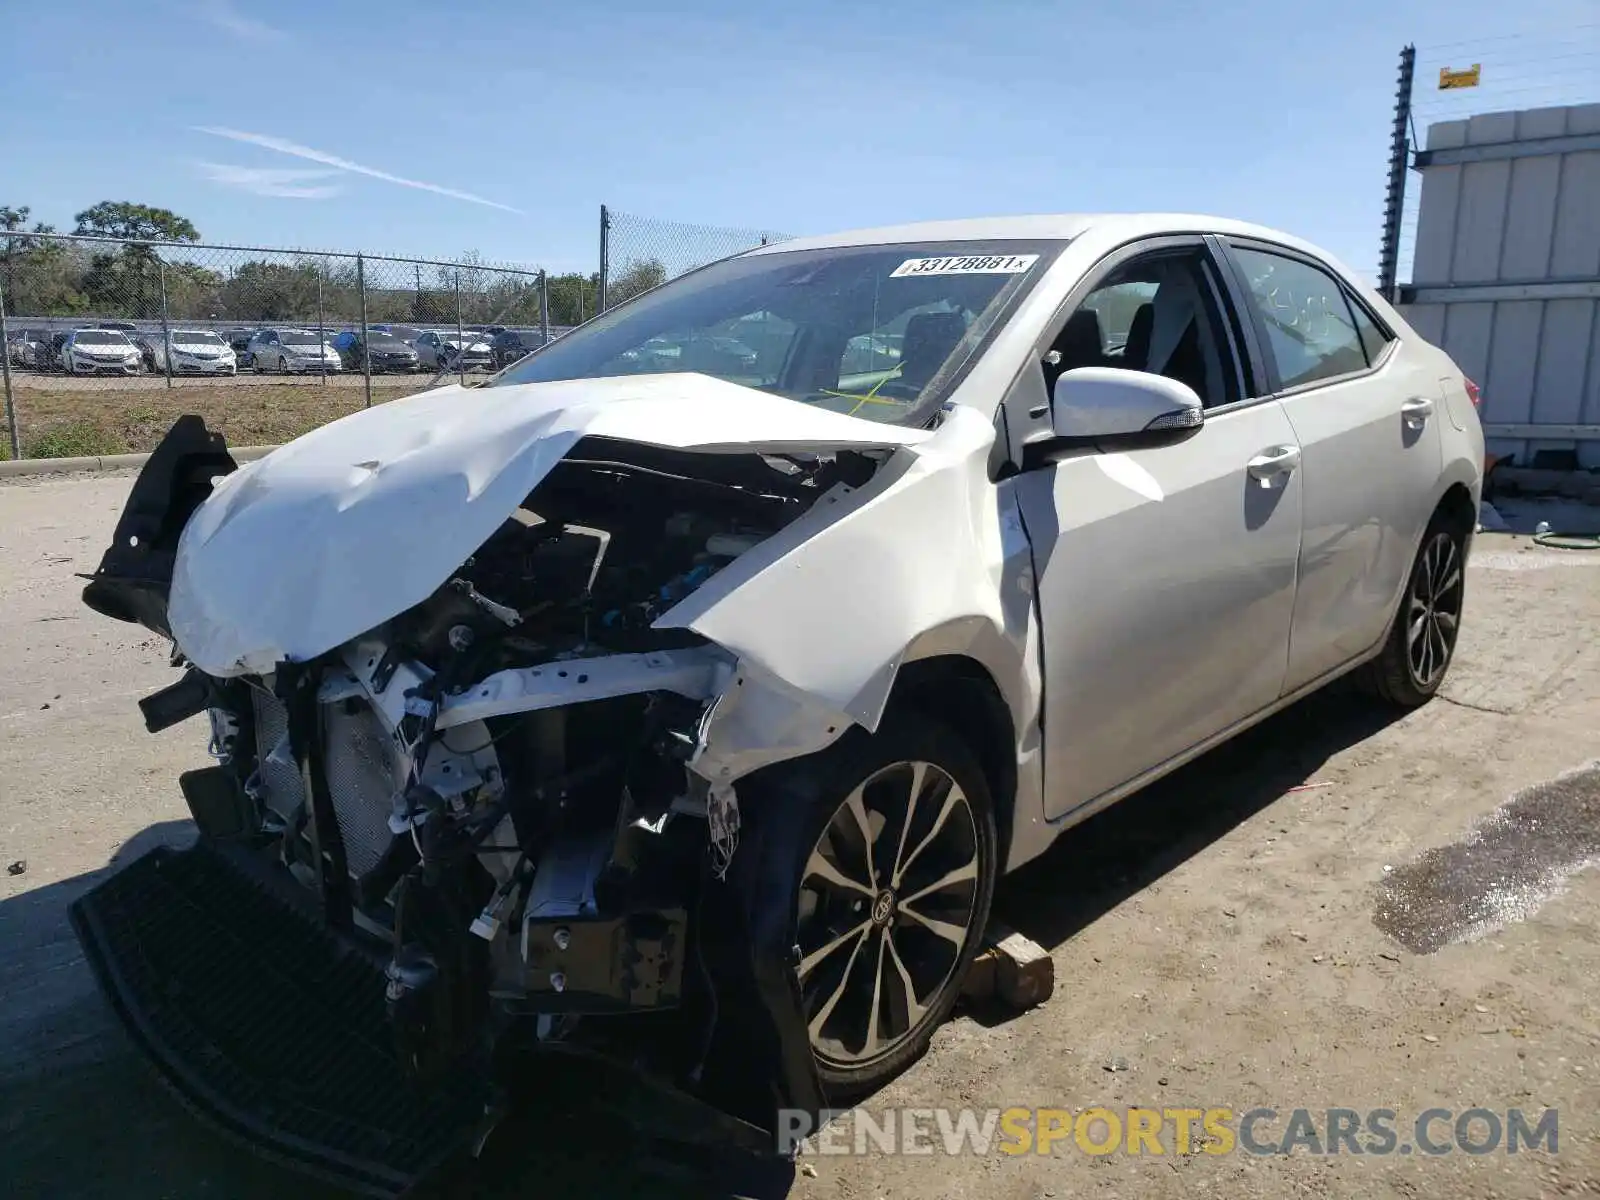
x=271, y=181
x=225, y=16
x=283, y=146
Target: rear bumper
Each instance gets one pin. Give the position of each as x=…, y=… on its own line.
x=266, y=1024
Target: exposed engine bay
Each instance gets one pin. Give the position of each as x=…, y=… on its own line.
x=540, y=860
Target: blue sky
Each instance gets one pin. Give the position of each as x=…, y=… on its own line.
x=500, y=127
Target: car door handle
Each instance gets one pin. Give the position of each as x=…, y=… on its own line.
x=1417, y=410
x=1279, y=460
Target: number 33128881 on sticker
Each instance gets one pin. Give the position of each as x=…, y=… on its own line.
x=967, y=264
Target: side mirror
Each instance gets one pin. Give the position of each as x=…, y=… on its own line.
x=1096, y=403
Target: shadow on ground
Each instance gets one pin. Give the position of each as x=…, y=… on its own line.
x=1112, y=855
x=81, y=1116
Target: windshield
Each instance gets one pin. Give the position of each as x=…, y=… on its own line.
x=99, y=337
x=387, y=341
x=875, y=331
x=197, y=337
x=299, y=339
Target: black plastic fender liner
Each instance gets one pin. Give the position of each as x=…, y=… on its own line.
x=761, y=1062
x=134, y=574
x=266, y=1024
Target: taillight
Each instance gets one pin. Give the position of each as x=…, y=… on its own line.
x=1472, y=390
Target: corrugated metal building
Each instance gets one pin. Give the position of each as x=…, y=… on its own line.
x=1506, y=273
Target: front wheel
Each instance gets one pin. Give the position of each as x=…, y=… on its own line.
x=1422, y=641
x=892, y=899
x=283, y=366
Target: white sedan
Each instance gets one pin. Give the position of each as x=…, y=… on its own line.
x=524, y=689
x=194, y=352
x=100, y=352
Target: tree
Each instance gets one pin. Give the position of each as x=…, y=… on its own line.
x=39, y=276
x=639, y=276
x=135, y=222
x=263, y=291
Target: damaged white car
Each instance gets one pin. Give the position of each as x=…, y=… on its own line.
x=714, y=690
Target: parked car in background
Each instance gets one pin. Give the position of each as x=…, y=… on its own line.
x=239, y=341
x=100, y=352
x=47, y=354
x=127, y=327
x=511, y=344
x=145, y=343
x=293, y=352
x=195, y=352
x=440, y=350
x=406, y=333
x=23, y=346
x=388, y=352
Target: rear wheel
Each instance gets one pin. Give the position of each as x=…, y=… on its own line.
x=283, y=365
x=892, y=900
x=1422, y=640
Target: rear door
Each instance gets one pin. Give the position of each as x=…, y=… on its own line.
x=1166, y=574
x=1367, y=421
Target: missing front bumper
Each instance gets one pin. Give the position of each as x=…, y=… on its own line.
x=268, y=1025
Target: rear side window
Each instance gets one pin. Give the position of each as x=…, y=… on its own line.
x=1373, y=340
x=1304, y=318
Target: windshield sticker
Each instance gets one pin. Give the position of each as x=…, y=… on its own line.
x=967, y=264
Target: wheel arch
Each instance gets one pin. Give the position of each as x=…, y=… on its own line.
x=960, y=692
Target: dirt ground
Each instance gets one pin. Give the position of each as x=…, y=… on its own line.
x=1216, y=939
x=58, y=416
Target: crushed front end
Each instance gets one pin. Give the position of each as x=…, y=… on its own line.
x=482, y=829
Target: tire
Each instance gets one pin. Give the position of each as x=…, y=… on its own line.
x=283, y=365
x=870, y=777
x=1416, y=655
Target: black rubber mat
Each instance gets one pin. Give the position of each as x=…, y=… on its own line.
x=267, y=1024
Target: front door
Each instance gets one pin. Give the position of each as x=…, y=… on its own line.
x=1166, y=575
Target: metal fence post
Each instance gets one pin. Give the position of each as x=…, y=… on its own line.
x=1395, y=195
x=544, y=308
x=605, y=263
x=366, y=349
x=461, y=338
x=5, y=369
x=166, y=328
x=322, y=334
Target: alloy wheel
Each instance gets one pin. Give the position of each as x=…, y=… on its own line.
x=1433, y=610
x=887, y=903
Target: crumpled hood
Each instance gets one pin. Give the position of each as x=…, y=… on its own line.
x=336, y=532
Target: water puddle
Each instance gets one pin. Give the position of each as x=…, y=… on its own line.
x=1503, y=871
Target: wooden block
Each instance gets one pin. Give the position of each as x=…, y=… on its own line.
x=980, y=981
x=1016, y=969
x=1025, y=974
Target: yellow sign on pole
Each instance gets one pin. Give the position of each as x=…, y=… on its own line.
x=1460, y=79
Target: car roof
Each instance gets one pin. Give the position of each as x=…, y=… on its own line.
x=1042, y=227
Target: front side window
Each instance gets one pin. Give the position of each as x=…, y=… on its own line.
x=1156, y=313
x=1304, y=316
x=876, y=331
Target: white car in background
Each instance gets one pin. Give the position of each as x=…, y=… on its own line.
x=100, y=352
x=438, y=349
x=195, y=352
x=293, y=352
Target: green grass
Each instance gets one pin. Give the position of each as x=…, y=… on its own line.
x=73, y=439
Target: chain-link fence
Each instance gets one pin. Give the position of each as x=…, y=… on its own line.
x=637, y=253
x=1455, y=81
x=107, y=341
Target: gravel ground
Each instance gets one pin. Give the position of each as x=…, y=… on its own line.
x=1219, y=940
